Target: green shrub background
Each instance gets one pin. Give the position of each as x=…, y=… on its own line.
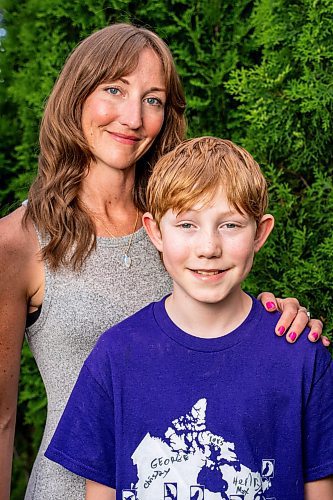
x=258, y=72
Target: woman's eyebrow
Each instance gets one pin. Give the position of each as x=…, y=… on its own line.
x=151, y=89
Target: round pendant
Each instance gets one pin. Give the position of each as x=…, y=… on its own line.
x=127, y=261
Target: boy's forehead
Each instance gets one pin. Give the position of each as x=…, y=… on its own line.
x=215, y=199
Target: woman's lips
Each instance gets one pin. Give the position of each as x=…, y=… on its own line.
x=123, y=138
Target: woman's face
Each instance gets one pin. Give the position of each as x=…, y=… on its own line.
x=121, y=118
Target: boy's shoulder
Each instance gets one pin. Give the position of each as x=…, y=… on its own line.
x=303, y=352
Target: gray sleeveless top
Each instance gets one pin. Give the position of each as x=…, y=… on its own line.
x=77, y=308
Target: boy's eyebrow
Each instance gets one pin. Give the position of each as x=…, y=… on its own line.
x=197, y=210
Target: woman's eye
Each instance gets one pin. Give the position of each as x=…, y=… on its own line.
x=112, y=90
x=153, y=101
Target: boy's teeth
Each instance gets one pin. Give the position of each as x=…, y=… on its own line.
x=207, y=273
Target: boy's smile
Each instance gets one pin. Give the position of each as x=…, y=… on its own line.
x=209, y=274
x=208, y=251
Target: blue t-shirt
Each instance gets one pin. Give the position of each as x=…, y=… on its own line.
x=159, y=414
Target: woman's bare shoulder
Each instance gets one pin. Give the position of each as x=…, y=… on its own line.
x=19, y=248
x=16, y=236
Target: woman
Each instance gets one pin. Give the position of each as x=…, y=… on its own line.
x=76, y=258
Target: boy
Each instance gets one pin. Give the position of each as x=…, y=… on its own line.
x=190, y=398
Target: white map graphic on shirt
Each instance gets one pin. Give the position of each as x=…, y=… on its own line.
x=169, y=468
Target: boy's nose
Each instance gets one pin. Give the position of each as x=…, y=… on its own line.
x=131, y=114
x=210, y=246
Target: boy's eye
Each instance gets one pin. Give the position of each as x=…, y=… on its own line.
x=185, y=225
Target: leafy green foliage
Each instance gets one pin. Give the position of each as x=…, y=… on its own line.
x=285, y=104
x=256, y=71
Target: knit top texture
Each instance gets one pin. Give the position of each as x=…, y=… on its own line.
x=78, y=307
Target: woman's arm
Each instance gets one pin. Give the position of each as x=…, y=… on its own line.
x=319, y=490
x=97, y=491
x=15, y=252
x=294, y=318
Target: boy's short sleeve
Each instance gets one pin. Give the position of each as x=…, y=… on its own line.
x=84, y=440
x=318, y=423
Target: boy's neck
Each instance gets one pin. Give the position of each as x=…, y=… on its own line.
x=206, y=320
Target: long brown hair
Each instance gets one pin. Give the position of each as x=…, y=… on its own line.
x=65, y=155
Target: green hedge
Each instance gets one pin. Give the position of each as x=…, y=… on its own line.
x=283, y=115
x=258, y=72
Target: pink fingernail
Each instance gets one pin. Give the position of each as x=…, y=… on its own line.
x=270, y=305
x=292, y=336
x=281, y=330
x=326, y=342
x=315, y=335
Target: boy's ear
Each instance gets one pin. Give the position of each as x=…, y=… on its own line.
x=153, y=230
x=264, y=229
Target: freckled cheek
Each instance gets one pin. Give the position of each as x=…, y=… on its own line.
x=245, y=259
x=175, y=252
x=154, y=123
x=97, y=114
x=103, y=113
x=241, y=252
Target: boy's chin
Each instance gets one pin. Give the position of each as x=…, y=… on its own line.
x=217, y=298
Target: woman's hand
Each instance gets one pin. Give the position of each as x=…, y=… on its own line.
x=294, y=319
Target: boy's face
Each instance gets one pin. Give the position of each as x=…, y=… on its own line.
x=208, y=251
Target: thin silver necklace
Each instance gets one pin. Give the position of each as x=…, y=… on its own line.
x=126, y=259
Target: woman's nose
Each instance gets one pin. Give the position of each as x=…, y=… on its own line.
x=131, y=113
